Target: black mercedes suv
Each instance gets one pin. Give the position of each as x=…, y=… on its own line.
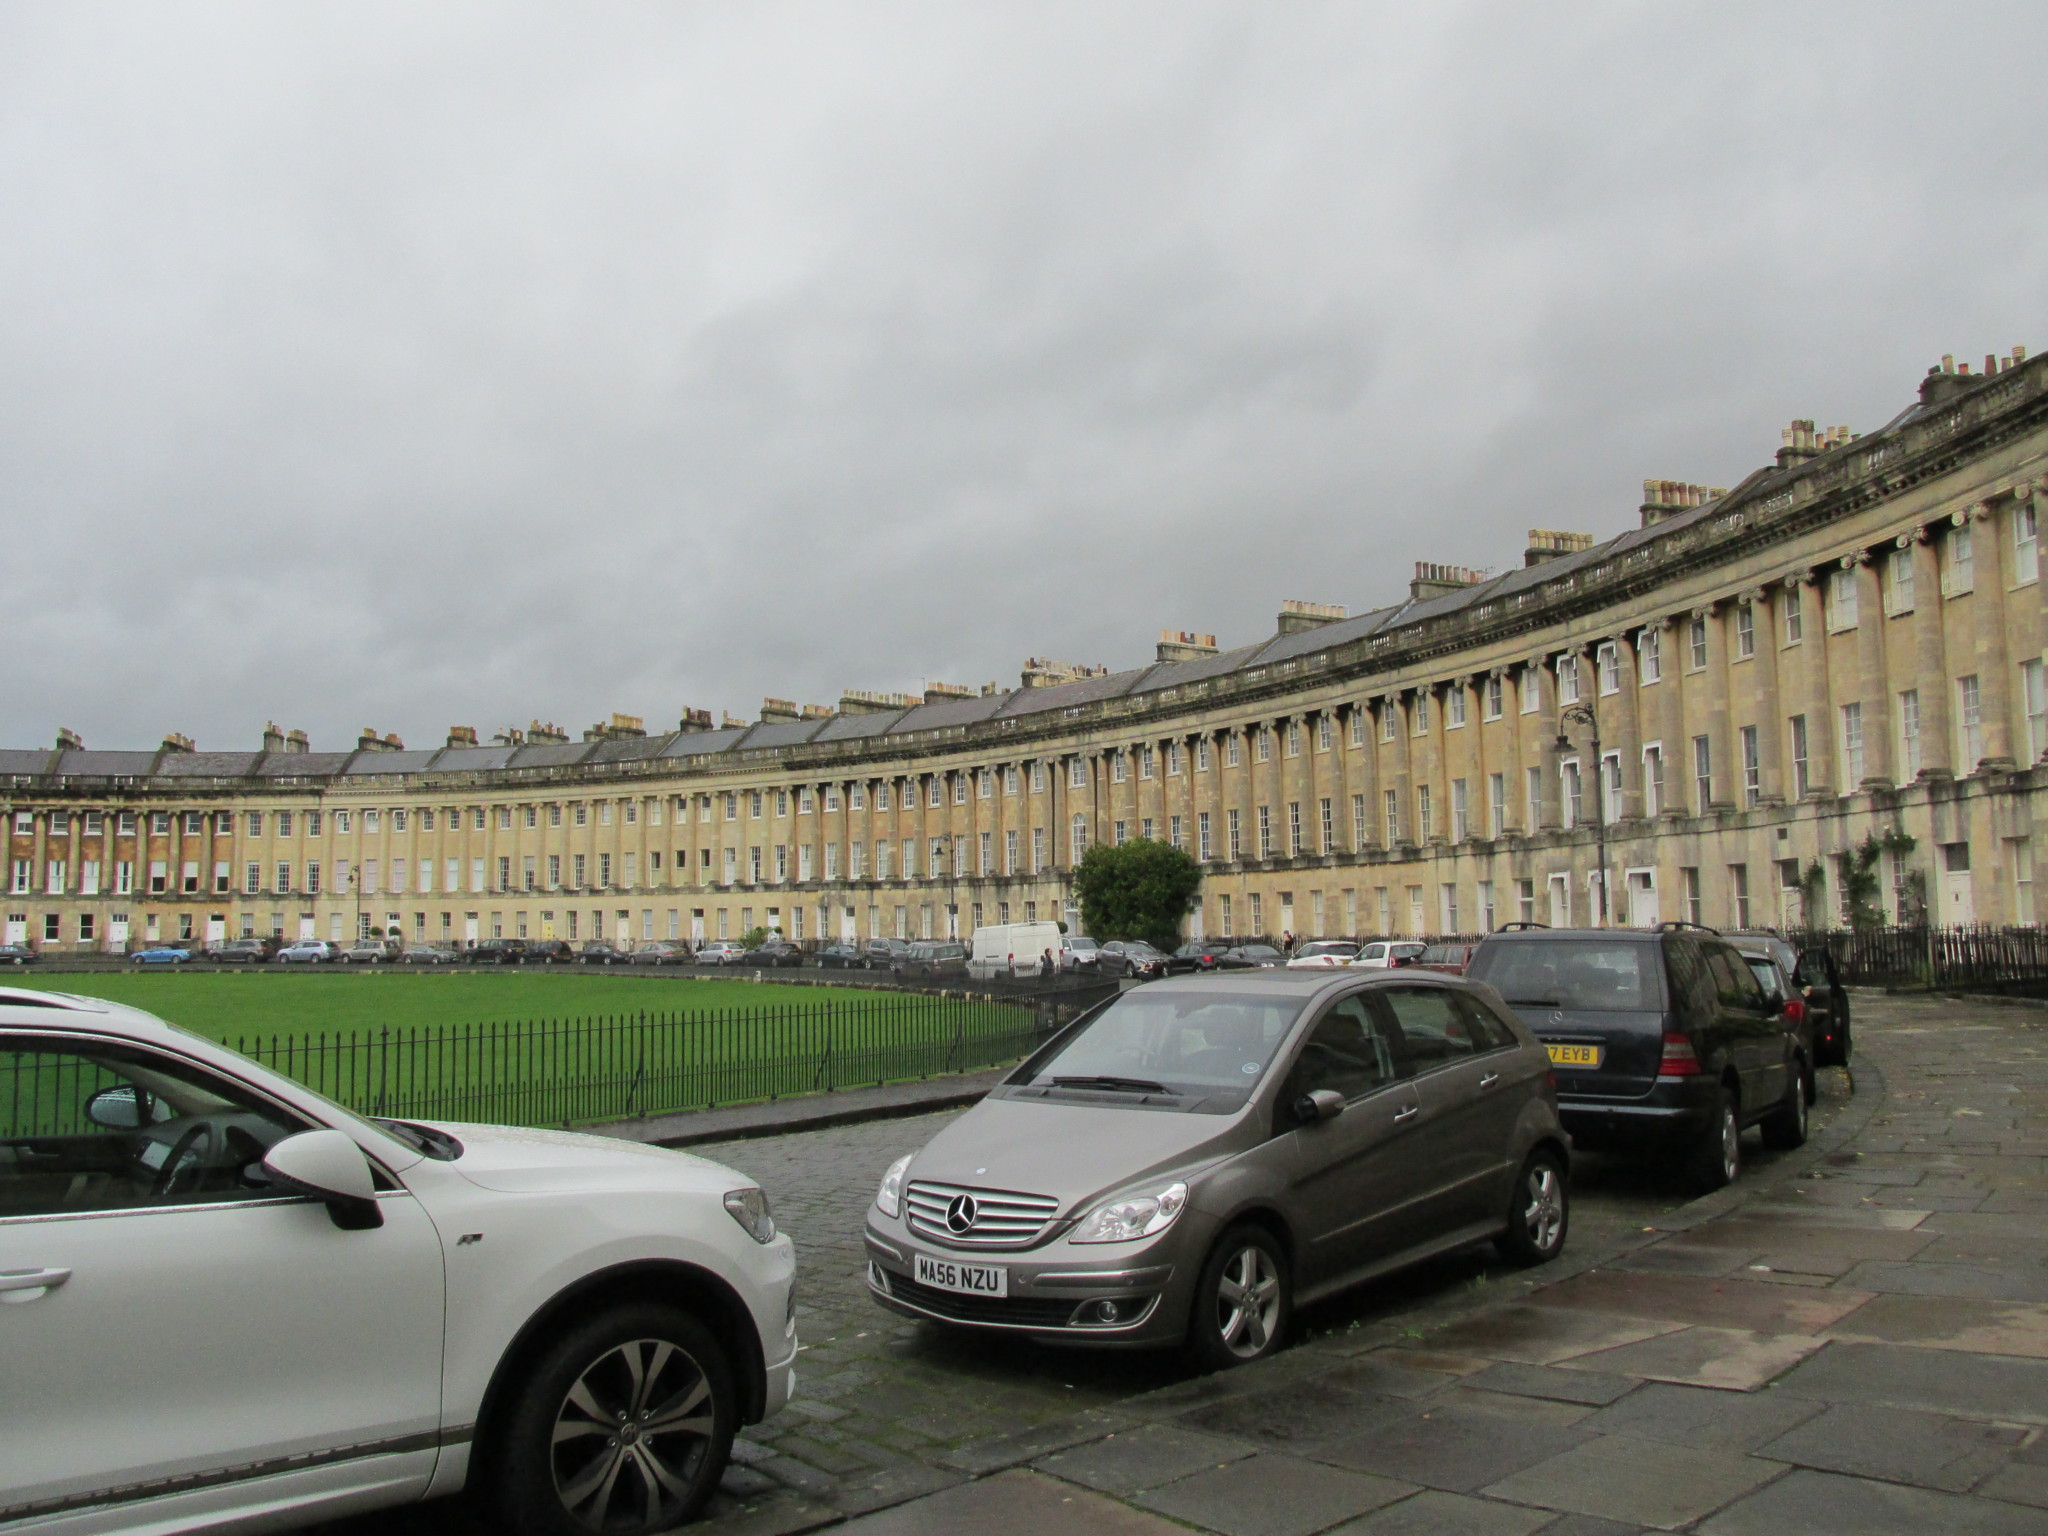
x=1662, y=1040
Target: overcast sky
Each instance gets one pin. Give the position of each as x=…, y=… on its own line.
x=406, y=366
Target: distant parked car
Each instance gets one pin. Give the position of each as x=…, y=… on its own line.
x=240, y=952
x=1451, y=959
x=840, y=957
x=307, y=952
x=1814, y=972
x=658, y=952
x=548, y=952
x=1252, y=957
x=18, y=954
x=720, y=952
x=1199, y=955
x=1389, y=954
x=930, y=960
x=161, y=954
x=882, y=954
x=430, y=954
x=367, y=952
x=498, y=952
x=1130, y=957
x=1323, y=955
x=775, y=951
x=597, y=952
x=1078, y=952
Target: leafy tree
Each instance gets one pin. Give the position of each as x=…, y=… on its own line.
x=754, y=938
x=1140, y=890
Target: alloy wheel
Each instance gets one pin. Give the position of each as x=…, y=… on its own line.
x=630, y=1437
x=1731, y=1144
x=1248, y=1302
x=1543, y=1212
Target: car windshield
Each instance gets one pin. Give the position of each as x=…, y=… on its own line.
x=1183, y=1043
x=1259, y=952
x=1327, y=947
x=1571, y=973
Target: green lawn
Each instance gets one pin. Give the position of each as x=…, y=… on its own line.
x=257, y=1004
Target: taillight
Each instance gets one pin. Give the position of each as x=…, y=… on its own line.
x=1680, y=1060
x=1795, y=1010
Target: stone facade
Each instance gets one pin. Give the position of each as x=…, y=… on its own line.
x=1849, y=643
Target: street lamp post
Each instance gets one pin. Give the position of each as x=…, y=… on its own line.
x=1586, y=715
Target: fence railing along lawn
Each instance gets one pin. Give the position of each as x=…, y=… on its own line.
x=620, y=1065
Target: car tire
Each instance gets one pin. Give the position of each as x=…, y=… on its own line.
x=1784, y=1128
x=1244, y=1300
x=1539, y=1212
x=549, y=1476
x=1714, y=1160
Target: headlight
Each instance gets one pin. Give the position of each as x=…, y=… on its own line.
x=749, y=1207
x=1132, y=1216
x=889, y=1198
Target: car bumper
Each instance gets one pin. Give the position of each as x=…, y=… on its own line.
x=1674, y=1109
x=1057, y=1292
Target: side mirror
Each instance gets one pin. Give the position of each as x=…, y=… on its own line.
x=1318, y=1104
x=330, y=1167
x=118, y=1108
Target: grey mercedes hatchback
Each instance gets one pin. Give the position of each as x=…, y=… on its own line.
x=1190, y=1162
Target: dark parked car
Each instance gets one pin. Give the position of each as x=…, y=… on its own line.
x=498, y=952
x=1451, y=959
x=597, y=952
x=237, y=952
x=1663, y=1041
x=841, y=957
x=1251, y=957
x=18, y=954
x=660, y=952
x=775, y=951
x=548, y=952
x=1819, y=981
x=1201, y=955
x=882, y=954
x=1130, y=957
x=931, y=960
x=430, y=954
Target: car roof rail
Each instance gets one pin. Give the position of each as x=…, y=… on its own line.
x=1519, y=927
x=1676, y=926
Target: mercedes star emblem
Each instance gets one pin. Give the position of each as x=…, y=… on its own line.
x=961, y=1213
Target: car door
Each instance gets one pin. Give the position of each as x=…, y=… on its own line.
x=1755, y=1034
x=1356, y=1177
x=177, y=1329
x=1469, y=1090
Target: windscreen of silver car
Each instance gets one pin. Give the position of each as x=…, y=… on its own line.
x=1191, y=1052
x=93, y=1127
x=1572, y=974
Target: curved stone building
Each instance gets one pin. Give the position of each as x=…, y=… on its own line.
x=1822, y=685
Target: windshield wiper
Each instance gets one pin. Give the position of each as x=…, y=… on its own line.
x=1533, y=1002
x=1124, y=1084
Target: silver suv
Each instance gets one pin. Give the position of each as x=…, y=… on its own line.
x=1194, y=1159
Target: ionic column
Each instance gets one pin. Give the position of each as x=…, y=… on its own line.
x=1930, y=658
x=1626, y=725
x=1994, y=690
x=1880, y=770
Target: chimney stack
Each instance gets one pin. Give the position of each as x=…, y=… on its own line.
x=546, y=733
x=695, y=720
x=1434, y=580
x=1667, y=498
x=273, y=738
x=296, y=741
x=1185, y=645
x=69, y=740
x=943, y=693
x=461, y=735
x=1549, y=544
x=1296, y=615
x=779, y=711
x=176, y=743
x=858, y=701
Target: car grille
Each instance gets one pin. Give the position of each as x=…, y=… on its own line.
x=1017, y=1311
x=1001, y=1218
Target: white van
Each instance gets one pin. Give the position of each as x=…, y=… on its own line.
x=1013, y=949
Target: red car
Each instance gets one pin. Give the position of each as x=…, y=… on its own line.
x=1449, y=958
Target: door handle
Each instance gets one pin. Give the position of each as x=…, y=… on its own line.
x=1488, y=1081
x=27, y=1284
x=1401, y=1116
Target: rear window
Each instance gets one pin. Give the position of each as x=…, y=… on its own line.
x=1582, y=974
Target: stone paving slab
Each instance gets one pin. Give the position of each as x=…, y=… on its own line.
x=1899, y=1445
x=1272, y=1495
x=1013, y=1504
x=1638, y=1482
x=1827, y=1504
x=1981, y=1327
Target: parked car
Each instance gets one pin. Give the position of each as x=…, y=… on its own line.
x=844, y=957
x=1203, y=1155
x=659, y=952
x=1389, y=954
x=1252, y=957
x=1451, y=959
x=18, y=954
x=1323, y=954
x=931, y=960
x=367, y=952
x=774, y=951
x=240, y=952
x=319, y=1272
x=882, y=954
x=720, y=952
x=429, y=954
x=307, y=952
x=548, y=952
x=1783, y=997
x=597, y=952
x=497, y=952
x=1199, y=955
x=1130, y=957
x=1819, y=981
x=1078, y=952
x=161, y=954
x=1663, y=1041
